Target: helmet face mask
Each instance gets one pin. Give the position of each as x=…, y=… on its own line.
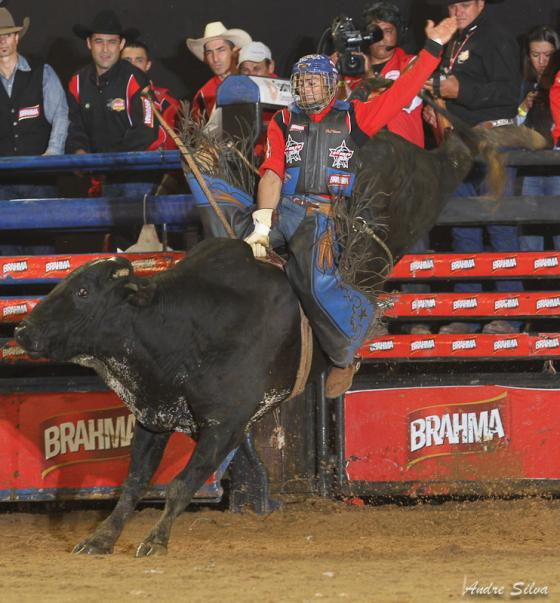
x=313, y=82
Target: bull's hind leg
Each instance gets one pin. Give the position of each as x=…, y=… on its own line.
x=146, y=453
x=213, y=445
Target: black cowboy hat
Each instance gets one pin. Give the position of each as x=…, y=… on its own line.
x=105, y=22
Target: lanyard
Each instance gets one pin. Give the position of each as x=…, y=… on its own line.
x=454, y=55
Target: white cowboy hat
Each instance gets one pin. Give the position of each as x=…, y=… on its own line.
x=214, y=31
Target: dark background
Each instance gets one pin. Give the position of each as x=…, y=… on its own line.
x=291, y=28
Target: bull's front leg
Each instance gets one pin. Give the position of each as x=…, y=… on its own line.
x=212, y=447
x=146, y=453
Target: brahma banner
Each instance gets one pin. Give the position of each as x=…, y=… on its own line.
x=452, y=434
x=77, y=445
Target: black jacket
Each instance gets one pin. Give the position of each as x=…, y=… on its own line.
x=110, y=114
x=485, y=59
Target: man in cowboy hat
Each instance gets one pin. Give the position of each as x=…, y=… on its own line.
x=107, y=109
x=218, y=48
x=33, y=108
x=480, y=80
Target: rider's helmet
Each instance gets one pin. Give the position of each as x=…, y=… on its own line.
x=313, y=82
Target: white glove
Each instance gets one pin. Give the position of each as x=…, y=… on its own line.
x=258, y=239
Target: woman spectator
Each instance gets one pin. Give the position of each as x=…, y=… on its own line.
x=535, y=110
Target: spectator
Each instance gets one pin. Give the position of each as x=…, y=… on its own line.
x=388, y=60
x=535, y=112
x=218, y=48
x=555, y=101
x=255, y=58
x=35, y=110
x=138, y=54
x=107, y=110
x=480, y=83
x=33, y=120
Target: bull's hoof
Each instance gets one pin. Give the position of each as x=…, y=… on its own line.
x=90, y=546
x=149, y=549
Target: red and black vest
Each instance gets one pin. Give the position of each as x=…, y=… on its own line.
x=321, y=157
x=24, y=129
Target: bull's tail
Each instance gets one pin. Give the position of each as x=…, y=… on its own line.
x=487, y=143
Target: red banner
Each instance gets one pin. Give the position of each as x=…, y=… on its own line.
x=37, y=267
x=518, y=345
x=75, y=443
x=465, y=266
x=458, y=305
x=473, y=433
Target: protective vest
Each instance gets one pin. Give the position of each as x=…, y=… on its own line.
x=24, y=129
x=321, y=158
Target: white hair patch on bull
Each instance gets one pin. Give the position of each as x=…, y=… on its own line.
x=167, y=415
x=270, y=400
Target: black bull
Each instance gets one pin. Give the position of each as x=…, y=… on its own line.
x=210, y=345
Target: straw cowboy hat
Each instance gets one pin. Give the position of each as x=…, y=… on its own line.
x=7, y=24
x=105, y=22
x=214, y=31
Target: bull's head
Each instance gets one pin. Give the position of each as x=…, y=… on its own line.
x=82, y=309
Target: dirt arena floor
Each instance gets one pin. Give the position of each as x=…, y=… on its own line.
x=310, y=551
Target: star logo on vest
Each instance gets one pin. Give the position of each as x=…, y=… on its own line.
x=341, y=155
x=293, y=150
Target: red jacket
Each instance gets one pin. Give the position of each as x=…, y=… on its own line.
x=555, y=107
x=408, y=122
x=371, y=116
x=169, y=107
x=204, y=100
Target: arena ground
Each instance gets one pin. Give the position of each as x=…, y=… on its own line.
x=311, y=551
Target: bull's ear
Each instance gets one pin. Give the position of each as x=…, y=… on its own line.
x=140, y=293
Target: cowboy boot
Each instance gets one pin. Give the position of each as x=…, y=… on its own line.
x=340, y=379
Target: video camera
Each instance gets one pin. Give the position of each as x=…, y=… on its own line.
x=348, y=40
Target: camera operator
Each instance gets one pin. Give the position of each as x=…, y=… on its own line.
x=384, y=58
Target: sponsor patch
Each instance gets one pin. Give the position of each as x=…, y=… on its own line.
x=29, y=113
x=341, y=155
x=148, y=113
x=293, y=150
x=463, y=57
x=339, y=180
x=296, y=128
x=116, y=104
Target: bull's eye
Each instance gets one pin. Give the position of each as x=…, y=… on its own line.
x=82, y=292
